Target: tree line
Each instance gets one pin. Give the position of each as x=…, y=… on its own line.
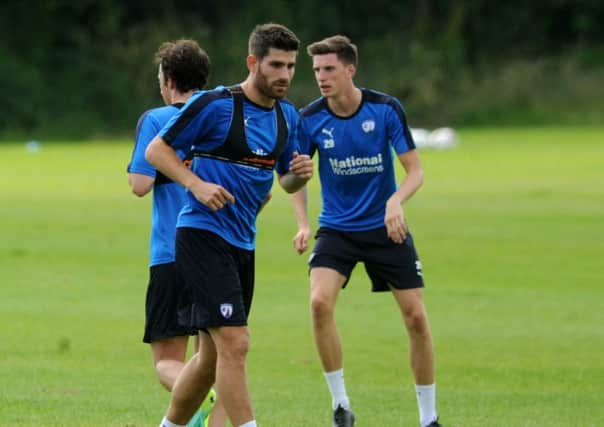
x=85, y=69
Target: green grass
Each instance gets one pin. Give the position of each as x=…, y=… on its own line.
x=510, y=228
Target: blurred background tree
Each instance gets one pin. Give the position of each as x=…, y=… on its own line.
x=85, y=69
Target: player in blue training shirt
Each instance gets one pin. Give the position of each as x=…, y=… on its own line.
x=183, y=68
x=356, y=132
x=239, y=136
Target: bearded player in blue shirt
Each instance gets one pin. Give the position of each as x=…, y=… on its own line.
x=239, y=137
x=355, y=132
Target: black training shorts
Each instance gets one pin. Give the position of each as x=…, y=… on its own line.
x=386, y=262
x=218, y=276
x=165, y=295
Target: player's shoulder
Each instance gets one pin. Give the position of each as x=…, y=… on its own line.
x=314, y=107
x=287, y=104
x=155, y=117
x=289, y=109
x=384, y=100
x=158, y=112
x=376, y=97
x=209, y=96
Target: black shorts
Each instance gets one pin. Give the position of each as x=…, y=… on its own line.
x=386, y=262
x=165, y=296
x=218, y=276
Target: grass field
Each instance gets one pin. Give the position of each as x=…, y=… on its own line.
x=510, y=228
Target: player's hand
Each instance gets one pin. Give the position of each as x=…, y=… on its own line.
x=300, y=240
x=394, y=220
x=302, y=166
x=214, y=196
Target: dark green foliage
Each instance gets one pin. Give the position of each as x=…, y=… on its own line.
x=84, y=69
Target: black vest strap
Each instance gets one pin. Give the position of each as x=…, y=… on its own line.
x=235, y=148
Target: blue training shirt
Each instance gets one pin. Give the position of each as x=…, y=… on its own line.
x=168, y=196
x=355, y=158
x=204, y=123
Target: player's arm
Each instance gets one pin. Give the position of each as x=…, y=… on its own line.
x=300, y=171
x=394, y=218
x=301, y=166
x=300, y=205
x=164, y=158
x=140, y=184
x=300, y=197
x=141, y=175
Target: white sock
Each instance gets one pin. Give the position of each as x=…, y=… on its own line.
x=249, y=424
x=166, y=423
x=337, y=388
x=426, y=402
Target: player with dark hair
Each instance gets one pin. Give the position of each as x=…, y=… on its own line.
x=183, y=68
x=239, y=137
x=355, y=132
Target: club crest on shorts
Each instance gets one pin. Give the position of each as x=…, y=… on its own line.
x=226, y=310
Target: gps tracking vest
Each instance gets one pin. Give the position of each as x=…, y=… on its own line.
x=235, y=148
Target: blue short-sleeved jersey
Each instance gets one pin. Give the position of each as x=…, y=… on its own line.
x=204, y=123
x=355, y=158
x=168, y=196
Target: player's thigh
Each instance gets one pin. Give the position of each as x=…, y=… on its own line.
x=206, y=344
x=173, y=348
x=207, y=350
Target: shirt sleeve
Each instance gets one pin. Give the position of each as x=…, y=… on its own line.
x=282, y=166
x=146, y=129
x=399, y=133
x=304, y=139
x=189, y=124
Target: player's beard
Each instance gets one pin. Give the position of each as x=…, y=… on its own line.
x=274, y=90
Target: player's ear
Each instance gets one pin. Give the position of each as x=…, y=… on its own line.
x=170, y=83
x=351, y=70
x=251, y=62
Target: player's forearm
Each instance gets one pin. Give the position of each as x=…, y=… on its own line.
x=300, y=205
x=165, y=160
x=412, y=182
x=291, y=182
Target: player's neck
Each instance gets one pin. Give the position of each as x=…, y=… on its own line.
x=253, y=94
x=346, y=103
x=180, y=97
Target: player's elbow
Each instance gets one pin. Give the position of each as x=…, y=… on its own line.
x=140, y=191
x=140, y=184
x=420, y=177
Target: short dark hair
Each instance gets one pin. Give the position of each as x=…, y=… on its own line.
x=265, y=36
x=187, y=64
x=345, y=50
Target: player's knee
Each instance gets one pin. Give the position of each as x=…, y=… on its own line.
x=236, y=349
x=416, y=322
x=321, y=307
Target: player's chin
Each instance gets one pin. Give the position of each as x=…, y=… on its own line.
x=280, y=91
